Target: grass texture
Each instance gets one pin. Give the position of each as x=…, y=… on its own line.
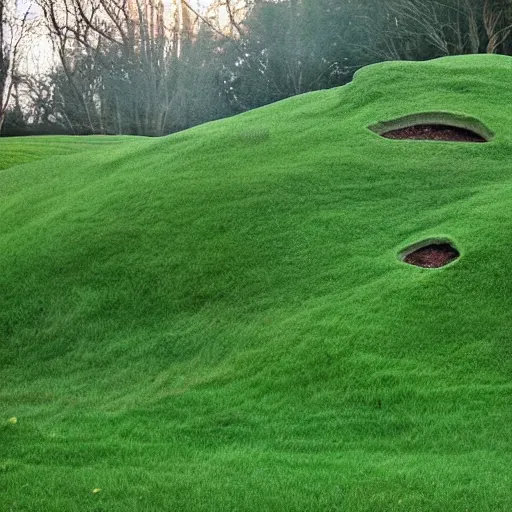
x=218, y=320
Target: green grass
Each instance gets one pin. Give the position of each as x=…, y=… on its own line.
x=218, y=320
x=21, y=150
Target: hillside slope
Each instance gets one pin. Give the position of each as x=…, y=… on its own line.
x=219, y=321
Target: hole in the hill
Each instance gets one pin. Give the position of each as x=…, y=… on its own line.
x=434, y=132
x=433, y=253
x=440, y=126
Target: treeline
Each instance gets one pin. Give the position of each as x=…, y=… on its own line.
x=144, y=67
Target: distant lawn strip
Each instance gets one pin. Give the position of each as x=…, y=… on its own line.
x=21, y=150
x=221, y=320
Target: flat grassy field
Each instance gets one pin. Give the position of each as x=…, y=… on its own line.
x=218, y=320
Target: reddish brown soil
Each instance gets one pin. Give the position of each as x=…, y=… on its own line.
x=434, y=132
x=432, y=256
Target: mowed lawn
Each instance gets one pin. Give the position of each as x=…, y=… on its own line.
x=218, y=320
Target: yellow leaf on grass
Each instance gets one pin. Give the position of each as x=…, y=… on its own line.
x=96, y=491
x=12, y=420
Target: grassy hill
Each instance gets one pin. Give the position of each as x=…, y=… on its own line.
x=218, y=320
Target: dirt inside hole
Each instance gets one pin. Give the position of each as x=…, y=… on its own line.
x=432, y=255
x=434, y=132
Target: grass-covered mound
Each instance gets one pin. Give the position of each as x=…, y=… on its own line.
x=220, y=320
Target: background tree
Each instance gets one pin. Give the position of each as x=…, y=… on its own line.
x=117, y=58
x=152, y=67
x=418, y=30
x=15, y=25
x=292, y=47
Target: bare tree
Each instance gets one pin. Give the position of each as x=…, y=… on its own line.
x=15, y=25
x=133, y=45
x=497, y=19
x=227, y=16
x=449, y=27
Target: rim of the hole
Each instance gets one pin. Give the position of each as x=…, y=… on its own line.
x=425, y=243
x=447, y=119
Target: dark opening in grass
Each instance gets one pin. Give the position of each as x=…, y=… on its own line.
x=440, y=126
x=430, y=254
x=434, y=132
